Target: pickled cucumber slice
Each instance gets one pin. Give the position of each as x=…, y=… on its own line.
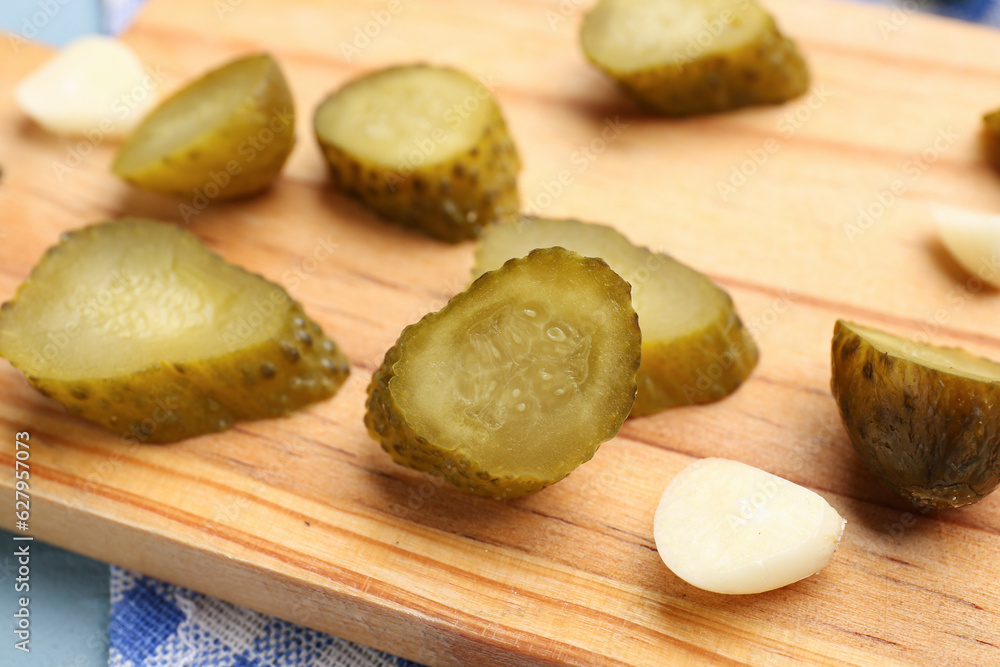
x=694, y=346
x=137, y=326
x=423, y=146
x=516, y=381
x=224, y=136
x=991, y=137
x=682, y=57
x=922, y=418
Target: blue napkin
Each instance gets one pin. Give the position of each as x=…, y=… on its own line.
x=155, y=624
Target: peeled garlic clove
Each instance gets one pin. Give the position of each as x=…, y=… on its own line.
x=728, y=527
x=93, y=85
x=972, y=238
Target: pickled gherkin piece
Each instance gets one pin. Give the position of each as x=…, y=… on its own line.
x=991, y=138
x=694, y=346
x=516, y=381
x=137, y=326
x=423, y=146
x=224, y=136
x=923, y=418
x=682, y=57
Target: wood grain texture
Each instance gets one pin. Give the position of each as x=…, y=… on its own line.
x=307, y=519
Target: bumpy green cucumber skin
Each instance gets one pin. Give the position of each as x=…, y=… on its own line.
x=235, y=161
x=769, y=71
x=991, y=138
x=700, y=368
x=175, y=401
x=931, y=437
x=450, y=200
x=172, y=401
x=387, y=423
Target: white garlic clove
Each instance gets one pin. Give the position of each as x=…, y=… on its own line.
x=94, y=86
x=728, y=527
x=973, y=239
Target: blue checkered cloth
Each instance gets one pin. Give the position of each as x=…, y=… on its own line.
x=154, y=624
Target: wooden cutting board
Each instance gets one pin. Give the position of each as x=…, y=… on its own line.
x=826, y=216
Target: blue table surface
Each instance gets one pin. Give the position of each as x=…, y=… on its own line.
x=53, y=22
x=69, y=594
x=68, y=606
